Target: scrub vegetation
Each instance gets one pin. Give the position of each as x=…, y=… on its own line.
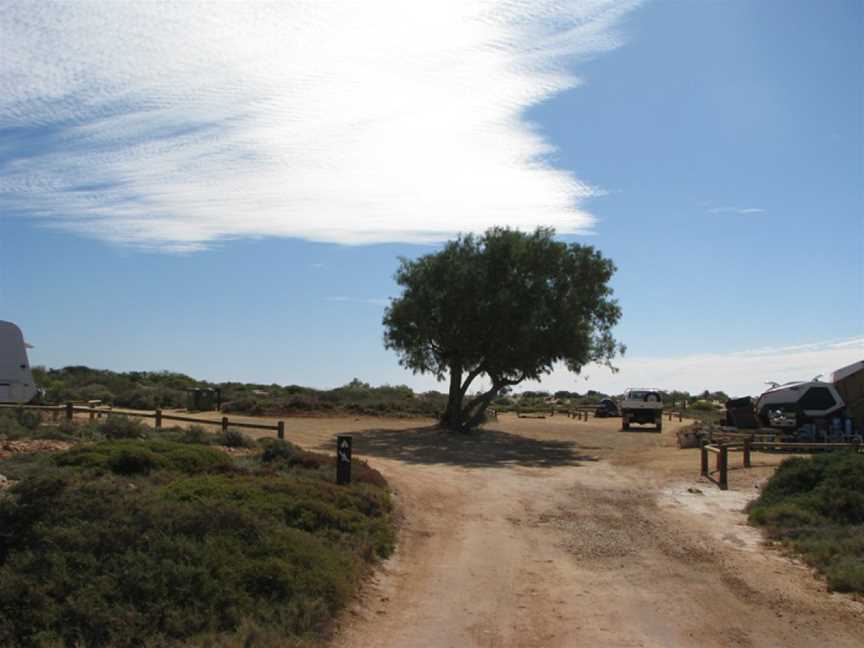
x=171, y=540
x=816, y=507
x=150, y=390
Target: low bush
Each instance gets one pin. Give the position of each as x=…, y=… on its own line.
x=196, y=434
x=142, y=457
x=816, y=506
x=244, y=405
x=153, y=542
x=282, y=455
x=10, y=428
x=122, y=427
x=236, y=439
x=703, y=406
x=278, y=450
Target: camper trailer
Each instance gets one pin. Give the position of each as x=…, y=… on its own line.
x=791, y=405
x=16, y=380
x=816, y=405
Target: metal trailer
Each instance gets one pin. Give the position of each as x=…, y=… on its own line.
x=16, y=379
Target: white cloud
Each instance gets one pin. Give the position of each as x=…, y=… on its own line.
x=736, y=210
x=741, y=373
x=176, y=124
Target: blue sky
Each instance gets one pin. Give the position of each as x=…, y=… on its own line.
x=227, y=194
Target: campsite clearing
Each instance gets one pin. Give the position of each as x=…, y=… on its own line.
x=555, y=532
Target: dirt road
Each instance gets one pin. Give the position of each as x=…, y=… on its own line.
x=553, y=533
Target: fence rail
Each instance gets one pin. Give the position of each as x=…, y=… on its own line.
x=746, y=447
x=70, y=409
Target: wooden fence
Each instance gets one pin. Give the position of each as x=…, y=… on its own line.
x=746, y=447
x=579, y=413
x=69, y=410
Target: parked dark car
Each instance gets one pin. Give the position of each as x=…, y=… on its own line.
x=606, y=408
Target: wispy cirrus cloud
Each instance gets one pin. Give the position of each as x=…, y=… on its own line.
x=172, y=125
x=736, y=210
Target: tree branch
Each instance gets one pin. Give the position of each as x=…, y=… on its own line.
x=472, y=375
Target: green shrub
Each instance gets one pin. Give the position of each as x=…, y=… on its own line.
x=10, y=428
x=128, y=457
x=785, y=514
x=245, y=405
x=123, y=427
x=236, y=439
x=279, y=450
x=196, y=434
x=86, y=558
x=703, y=406
x=816, y=505
x=846, y=575
x=133, y=461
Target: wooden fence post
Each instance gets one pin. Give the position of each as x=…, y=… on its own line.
x=280, y=430
x=158, y=419
x=224, y=424
x=343, y=460
x=91, y=413
x=70, y=412
x=680, y=417
x=704, y=470
x=724, y=466
x=747, y=453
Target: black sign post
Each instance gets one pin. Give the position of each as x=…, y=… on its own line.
x=343, y=460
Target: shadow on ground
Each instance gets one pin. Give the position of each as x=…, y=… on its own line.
x=477, y=449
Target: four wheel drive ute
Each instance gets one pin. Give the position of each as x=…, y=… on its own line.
x=642, y=406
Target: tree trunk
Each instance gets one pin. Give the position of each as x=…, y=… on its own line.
x=474, y=411
x=452, y=417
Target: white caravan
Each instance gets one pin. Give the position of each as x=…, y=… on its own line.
x=16, y=380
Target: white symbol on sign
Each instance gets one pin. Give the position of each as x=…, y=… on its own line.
x=343, y=457
x=344, y=444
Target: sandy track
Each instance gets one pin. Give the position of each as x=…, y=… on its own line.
x=509, y=540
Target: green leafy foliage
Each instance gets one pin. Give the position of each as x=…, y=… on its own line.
x=135, y=542
x=507, y=305
x=816, y=505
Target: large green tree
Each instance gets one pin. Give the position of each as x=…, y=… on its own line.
x=507, y=305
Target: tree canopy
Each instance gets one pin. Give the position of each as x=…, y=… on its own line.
x=507, y=305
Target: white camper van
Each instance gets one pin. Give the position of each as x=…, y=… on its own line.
x=16, y=381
